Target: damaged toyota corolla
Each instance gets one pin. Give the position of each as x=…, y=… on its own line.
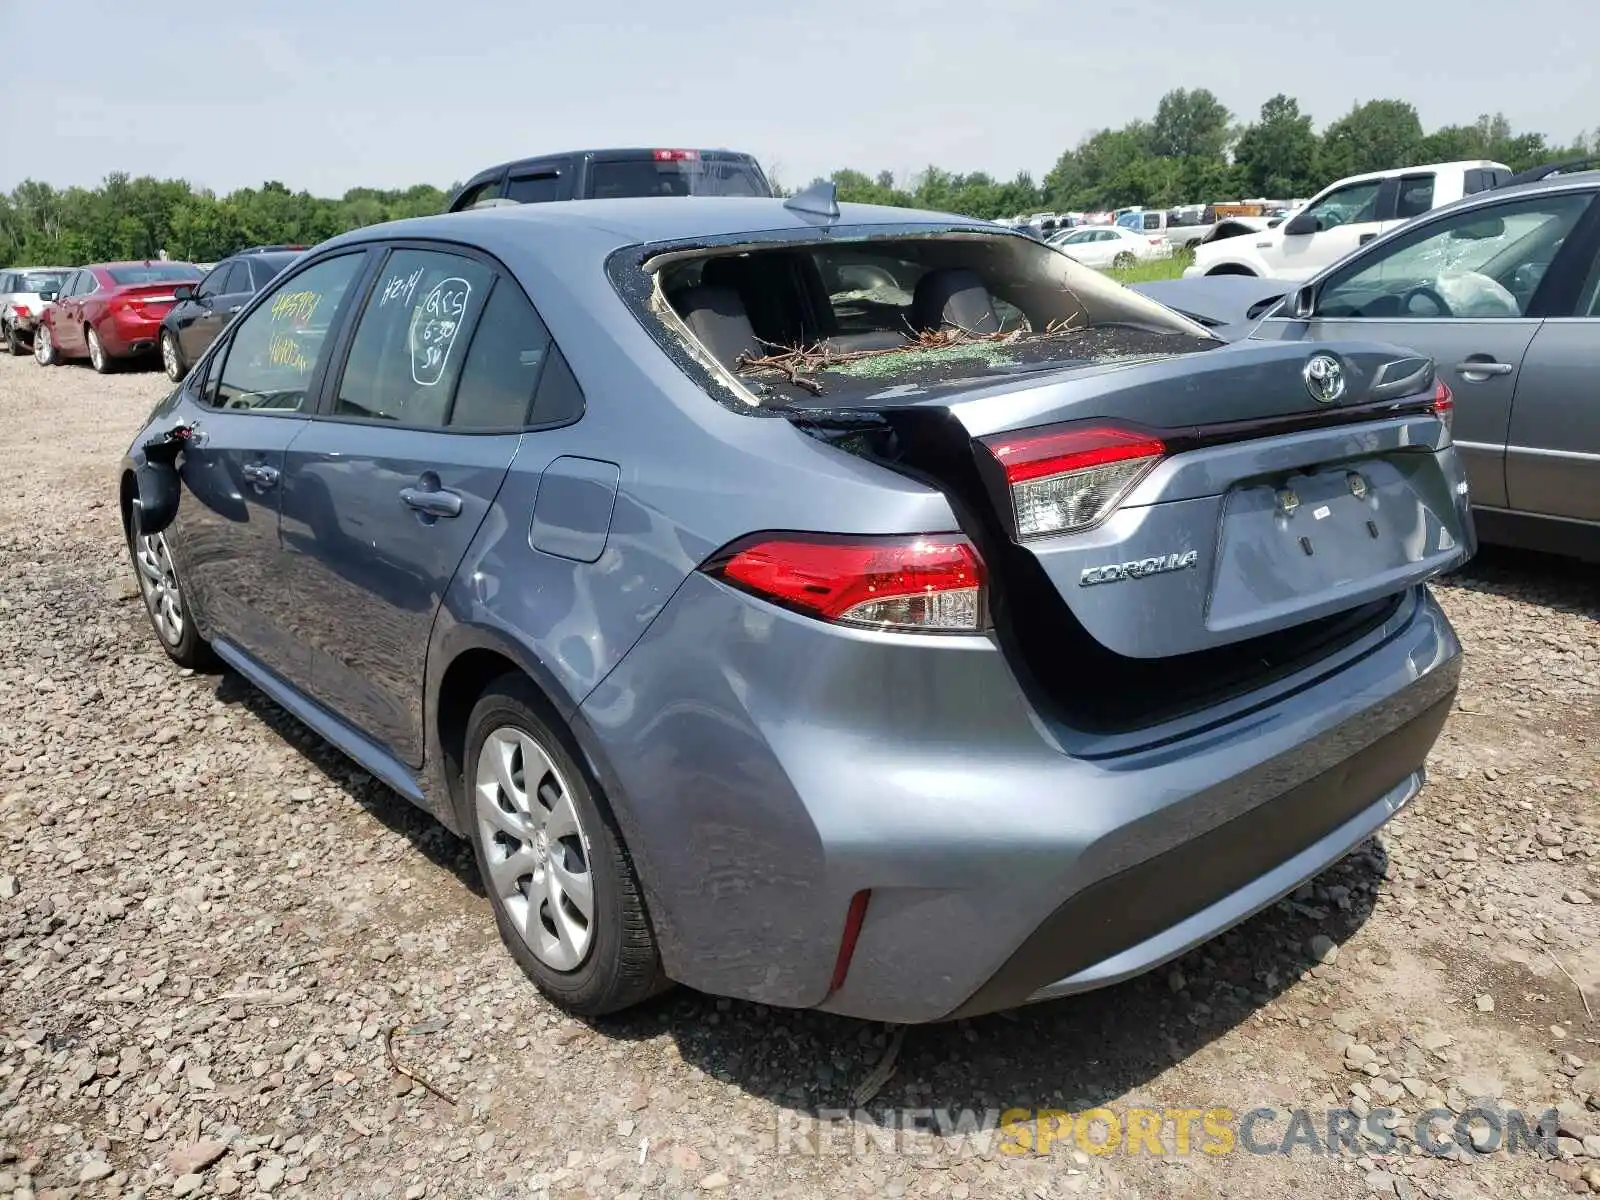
x=830, y=606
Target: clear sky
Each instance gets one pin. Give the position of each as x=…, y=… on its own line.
x=331, y=95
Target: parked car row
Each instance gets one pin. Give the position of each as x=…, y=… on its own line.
x=1108, y=246
x=118, y=312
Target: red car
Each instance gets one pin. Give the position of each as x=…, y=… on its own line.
x=109, y=312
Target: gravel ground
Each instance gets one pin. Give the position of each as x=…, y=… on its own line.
x=210, y=921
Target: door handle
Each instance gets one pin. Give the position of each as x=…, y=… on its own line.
x=260, y=474
x=235, y=309
x=1477, y=370
x=434, y=504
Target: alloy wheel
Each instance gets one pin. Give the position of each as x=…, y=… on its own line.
x=158, y=582
x=97, y=352
x=536, y=849
x=169, y=357
x=42, y=349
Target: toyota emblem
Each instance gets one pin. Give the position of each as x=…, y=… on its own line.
x=1324, y=378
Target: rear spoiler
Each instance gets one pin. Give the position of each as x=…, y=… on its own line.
x=1536, y=174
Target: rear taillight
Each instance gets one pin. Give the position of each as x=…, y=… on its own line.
x=22, y=311
x=1444, y=405
x=929, y=584
x=1070, y=479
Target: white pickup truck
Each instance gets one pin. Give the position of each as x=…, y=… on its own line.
x=1343, y=216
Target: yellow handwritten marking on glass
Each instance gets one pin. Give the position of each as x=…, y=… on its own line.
x=285, y=352
x=295, y=306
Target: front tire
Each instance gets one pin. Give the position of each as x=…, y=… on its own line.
x=559, y=878
x=172, y=358
x=164, y=599
x=44, y=347
x=102, y=362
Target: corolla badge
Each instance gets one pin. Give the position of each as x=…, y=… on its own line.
x=1324, y=378
x=1180, y=560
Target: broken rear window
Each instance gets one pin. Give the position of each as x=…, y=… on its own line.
x=846, y=319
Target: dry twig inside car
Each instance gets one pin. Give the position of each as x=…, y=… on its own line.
x=793, y=360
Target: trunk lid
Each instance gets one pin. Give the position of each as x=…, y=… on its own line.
x=153, y=298
x=1261, y=509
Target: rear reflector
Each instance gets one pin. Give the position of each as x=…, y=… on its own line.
x=929, y=584
x=1070, y=478
x=853, y=918
x=1444, y=405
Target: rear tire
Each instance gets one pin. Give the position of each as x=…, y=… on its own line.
x=548, y=846
x=44, y=347
x=102, y=362
x=1123, y=260
x=172, y=358
x=14, y=343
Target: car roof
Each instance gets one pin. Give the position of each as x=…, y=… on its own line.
x=634, y=220
x=260, y=256
x=1466, y=164
x=1578, y=181
x=607, y=151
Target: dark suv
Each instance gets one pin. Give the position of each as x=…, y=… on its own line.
x=605, y=174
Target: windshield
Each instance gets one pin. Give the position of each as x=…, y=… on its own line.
x=846, y=319
x=40, y=281
x=154, y=273
x=676, y=177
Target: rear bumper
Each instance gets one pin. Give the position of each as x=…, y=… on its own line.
x=127, y=335
x=766, y=768
x=1141, y=917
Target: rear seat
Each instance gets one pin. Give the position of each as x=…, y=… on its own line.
x=954, y=297
x=716, y=311
x=717, y=317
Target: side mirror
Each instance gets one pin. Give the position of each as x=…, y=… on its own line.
x=46, y=297
x=183, y=291
x=1303, y=304
x=1302, y=224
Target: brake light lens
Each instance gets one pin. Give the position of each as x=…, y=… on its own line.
x=21, y=310
x=677, y=156
x=1444, y=405
x=927, y=584
x=1069, y=479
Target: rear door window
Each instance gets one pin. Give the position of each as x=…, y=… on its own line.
x=412, y=338
x=553, y=182
x=1416, y=196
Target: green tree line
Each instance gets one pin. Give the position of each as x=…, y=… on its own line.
x=1191, y=150
x=137, y=218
